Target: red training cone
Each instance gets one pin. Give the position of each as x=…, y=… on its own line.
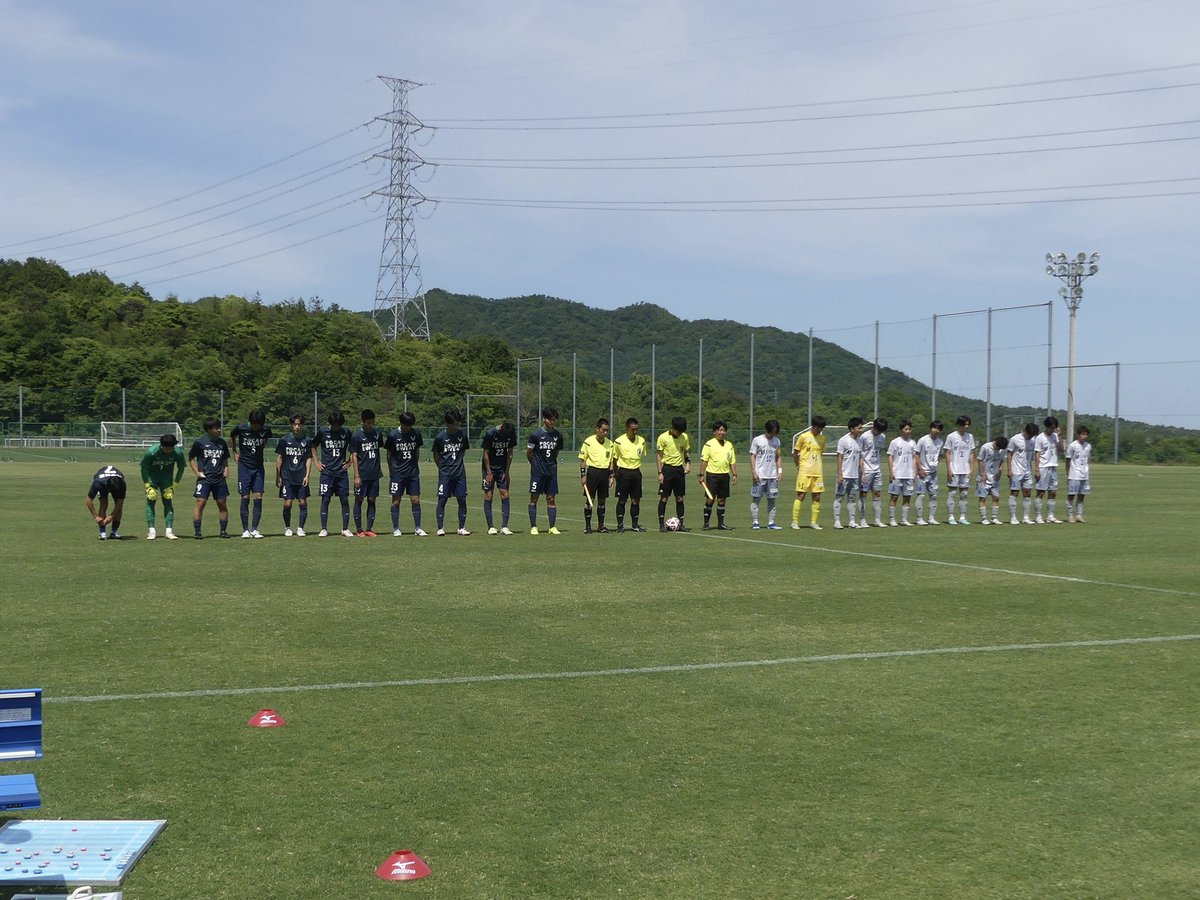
x=266, y=718
x=403, y=865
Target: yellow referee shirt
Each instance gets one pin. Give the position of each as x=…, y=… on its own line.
x=629, y=453
x=719, y=457
x=674, y=450
x=596, y=454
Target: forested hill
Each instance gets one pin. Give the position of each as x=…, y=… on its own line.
x=547, y=326
x=77, y=349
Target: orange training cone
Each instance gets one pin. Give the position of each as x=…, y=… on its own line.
x=403, y=865
x=266, y=718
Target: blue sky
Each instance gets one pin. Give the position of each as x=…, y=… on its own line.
x=803, y=165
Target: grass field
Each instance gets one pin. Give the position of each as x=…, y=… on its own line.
x=980, y=712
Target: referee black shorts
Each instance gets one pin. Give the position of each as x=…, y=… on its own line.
x=674, y=481
x=718, y=484
x=597, y=482
x=629, y=484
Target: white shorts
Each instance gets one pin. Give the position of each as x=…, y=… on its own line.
x=871, y=483
x=1048, y=481
x=768, y=487
x=988, y=489
x=848, y=488
x=901, y=487
x=1021, y=482
x=958, y=482
x=1076, y=487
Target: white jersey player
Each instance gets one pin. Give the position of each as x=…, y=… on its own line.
x=929, y=457
x=1079, y=485
x=1045, y=471
x=959, y=451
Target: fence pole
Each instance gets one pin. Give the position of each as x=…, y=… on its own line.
x=1049, y=356
x=611, y=376
x=1116, y=420
x=752, y=385
x=21, y=411
x=933, y=375
x=315, y=411
x=810, y=373
x=988, y=432
x=653, y=388
x=876, y=414
x=574, y=395
x=222, y=408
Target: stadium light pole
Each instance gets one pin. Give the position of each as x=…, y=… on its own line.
x=1071, y=272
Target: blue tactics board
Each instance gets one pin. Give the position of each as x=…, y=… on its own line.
x=97, y=852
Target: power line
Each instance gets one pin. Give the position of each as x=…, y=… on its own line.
x=619, y=204
x=817, y=103
x=186, y=196
x=843, y=162
x=355, y=161
x=450, y=161
x=257, y=256
x=357, y=194
x=239, y=243
x=999, y=104
x=761, y=209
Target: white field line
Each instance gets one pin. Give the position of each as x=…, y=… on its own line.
x=1070, y=579
x=606, y=673
x=956, y=565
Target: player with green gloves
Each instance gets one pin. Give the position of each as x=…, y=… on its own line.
x=157, y=465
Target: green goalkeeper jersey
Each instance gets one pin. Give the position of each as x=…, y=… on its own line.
x=157, y=466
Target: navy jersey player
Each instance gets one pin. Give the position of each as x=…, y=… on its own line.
x=404, y=456
x=542, y=452
x=209, y=459
x=293, y=465
x=498, y=444
x=248, y=442
x=108, y=483
x=330, y=448
x=366, y=459
x=449, y=448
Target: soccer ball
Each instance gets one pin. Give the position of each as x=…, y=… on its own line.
x=672, y=524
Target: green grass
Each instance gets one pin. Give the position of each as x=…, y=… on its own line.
x=1062, y=771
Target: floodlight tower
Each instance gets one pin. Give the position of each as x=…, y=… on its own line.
x=399, y=303
x=1071, y=273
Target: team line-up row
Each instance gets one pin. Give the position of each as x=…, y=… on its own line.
x=346, y=461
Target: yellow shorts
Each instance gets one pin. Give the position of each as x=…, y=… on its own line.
x=810, y=484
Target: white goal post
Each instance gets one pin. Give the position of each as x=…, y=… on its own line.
x=137, y=434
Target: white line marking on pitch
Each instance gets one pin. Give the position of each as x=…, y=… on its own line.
x=954, y=565
x=606, y=673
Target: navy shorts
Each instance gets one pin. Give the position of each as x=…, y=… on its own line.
x=218, y=490
x=409, y=484
x=335, y=483
x=368, y=489
x=293, y=491
x=453, y=487
x=540, y=483
x=499, y=481
x=250, y=481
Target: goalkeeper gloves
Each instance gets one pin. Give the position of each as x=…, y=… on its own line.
x=151, y=493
